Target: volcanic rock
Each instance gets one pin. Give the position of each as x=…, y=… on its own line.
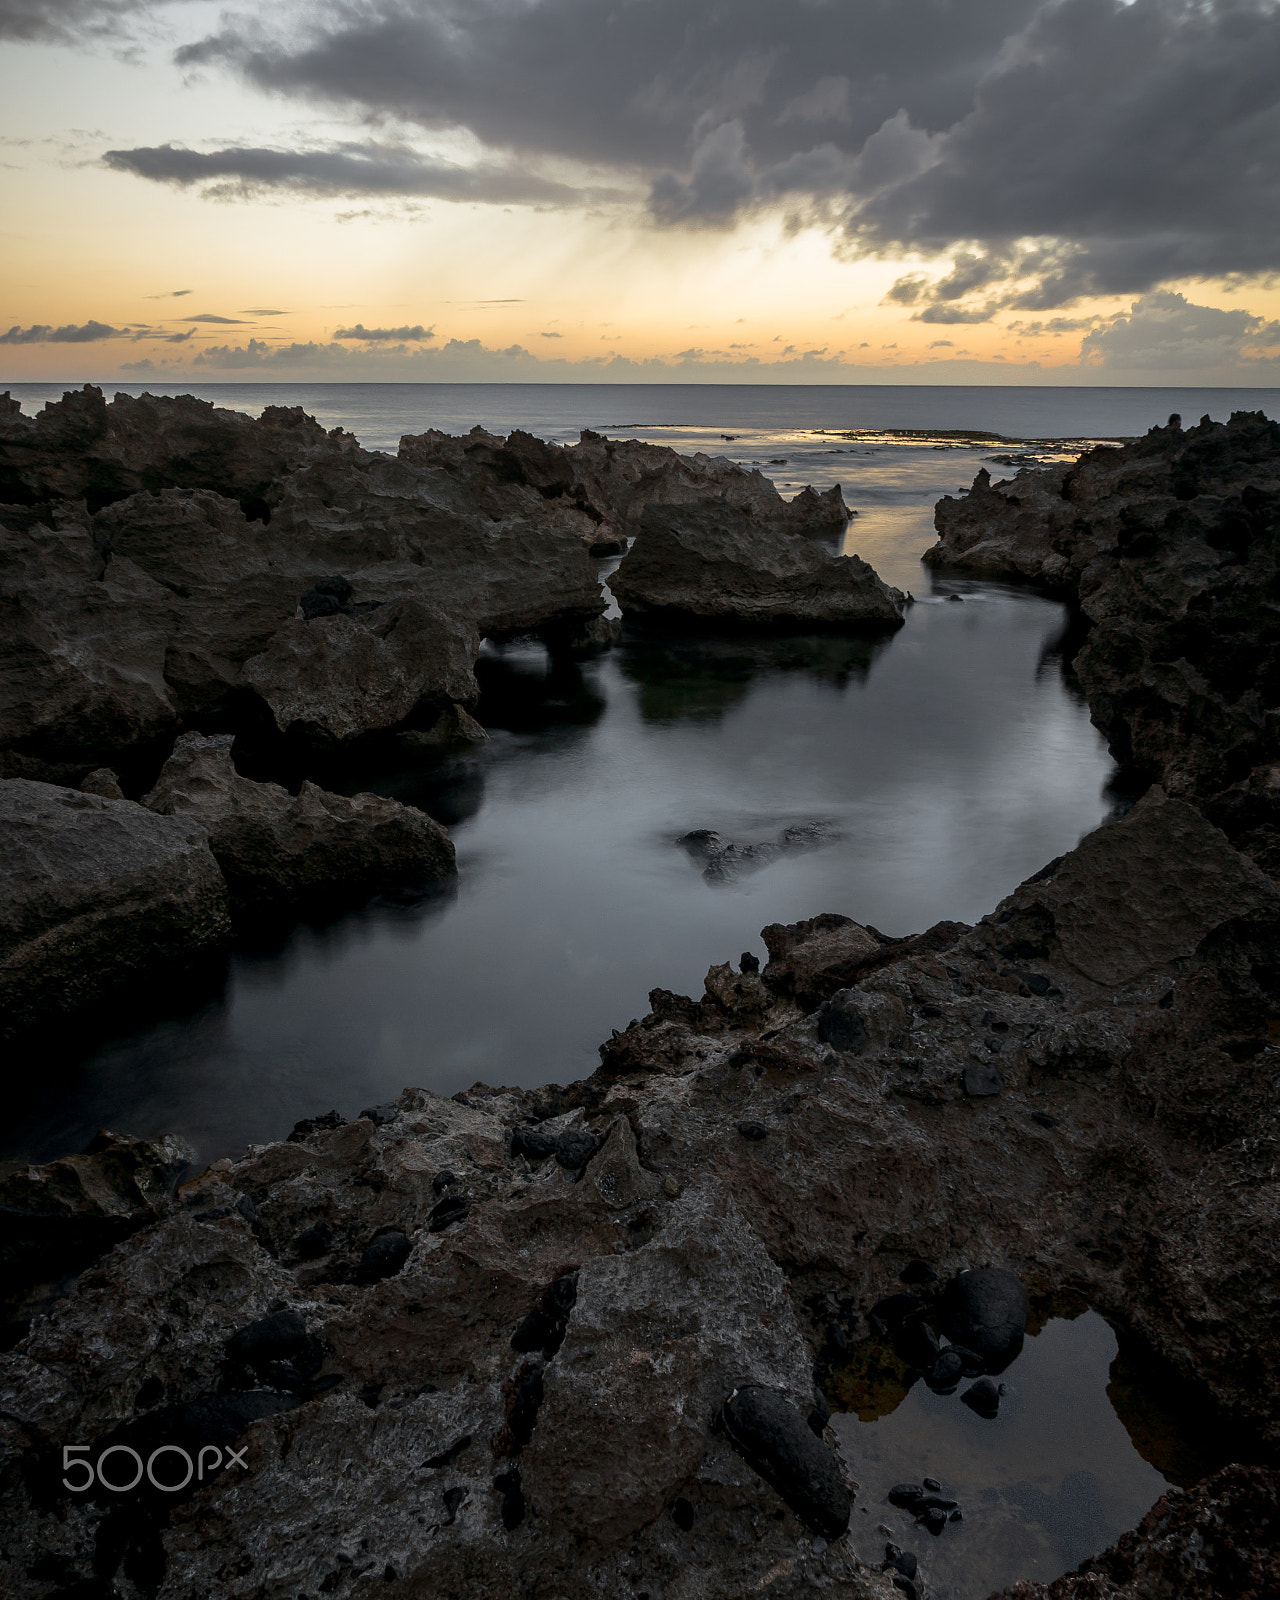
x=94, y=893
x=281, y=852
x=713, y=563
x=776, y=1440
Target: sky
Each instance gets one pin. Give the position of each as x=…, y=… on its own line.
x=845, y=191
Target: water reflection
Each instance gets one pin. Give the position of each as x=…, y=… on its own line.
x=945, y=764
x=1052, y=1480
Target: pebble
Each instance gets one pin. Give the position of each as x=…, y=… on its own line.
x=574, y=1148
x=908, y=1496
x=932, y=1484
x=983, y=1398
x=314, y=1241
x=534, y=1143
x=934, y=1521
x=753, y=1130
x=383, y=1256
x=982, y=1078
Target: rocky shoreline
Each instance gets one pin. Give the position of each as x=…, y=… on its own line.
x=582, y=1340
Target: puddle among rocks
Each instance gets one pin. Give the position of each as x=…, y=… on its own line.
x=1079, y=1452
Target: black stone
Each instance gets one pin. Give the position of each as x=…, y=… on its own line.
x=934, y=1521
x=932, y=1484
x=956, y=1516
x=917, y=1343
x=917, y=1272
x=982, y=1078
x=946, y=1372
x=908, y=1496
x=302, y=1131
x=1037, y=983
x=383, y=1256
x=894, y=1309
x=453, y=1499
x=983, y=1398
x=936, y=1502
x=574, y=1148
x=682, y=1514
x=972, y=1363
x=314, y=1241
x=776, y=1441
x=820, y=1415
x=534, y=1143
x=544, y=1328
x=907, y=1563
x=1044, y=1119
x=379, y=1115
x=840, y=1024
x=749, y=963
x=443, y=1181
x=273, y=1338
x=905, y=1585
x=892, y=1554
x=986, y=1312
x=453, y=1208
x=753, y=1130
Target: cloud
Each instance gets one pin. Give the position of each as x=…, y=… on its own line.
x=368, y=168
x=1058, y=148
x=265, y=311
x=1164, y=331
x=208, y=316
x=64, y=21
x=170, y=294
x=84, y=333
x=385, y=335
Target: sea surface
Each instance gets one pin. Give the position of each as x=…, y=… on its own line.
x=942, y=765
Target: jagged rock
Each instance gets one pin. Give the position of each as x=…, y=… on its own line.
x=94, y=893
x=281, y=852
x=339, y=676
x=819, y=955
x=1113, y=910
x=58, y=1217
x=454, y=728
x=104, y=782
x=714, y=563
x=1167, y=546
x=724, y=860
x=82, y=448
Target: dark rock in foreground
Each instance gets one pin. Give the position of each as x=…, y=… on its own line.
x=986, y=1312
x=713, y=563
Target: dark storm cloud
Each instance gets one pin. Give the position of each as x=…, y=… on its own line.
x=1057, y=148
x=1165, y=331
x=342, y=169
x=72, y=333
x=62, y=21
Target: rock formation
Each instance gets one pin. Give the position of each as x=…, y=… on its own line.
x=1171, y=548
x=166, y=564
x=583, y=1340
x=283, y=853
x=95, y=893
x=712, y=563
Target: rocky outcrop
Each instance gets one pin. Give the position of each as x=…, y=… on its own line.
x=165, y=563
x=285, y=854
x=712, y=563
x=568, y=1336
x=1171, y=547
x=95, y=893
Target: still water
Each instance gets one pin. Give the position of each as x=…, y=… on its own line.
x=1053, y=1479
x=944, y=764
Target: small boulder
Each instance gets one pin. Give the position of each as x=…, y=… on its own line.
x=778, y=1443
x=983, y=1398
x=986, y=1312
x=383, y=1256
